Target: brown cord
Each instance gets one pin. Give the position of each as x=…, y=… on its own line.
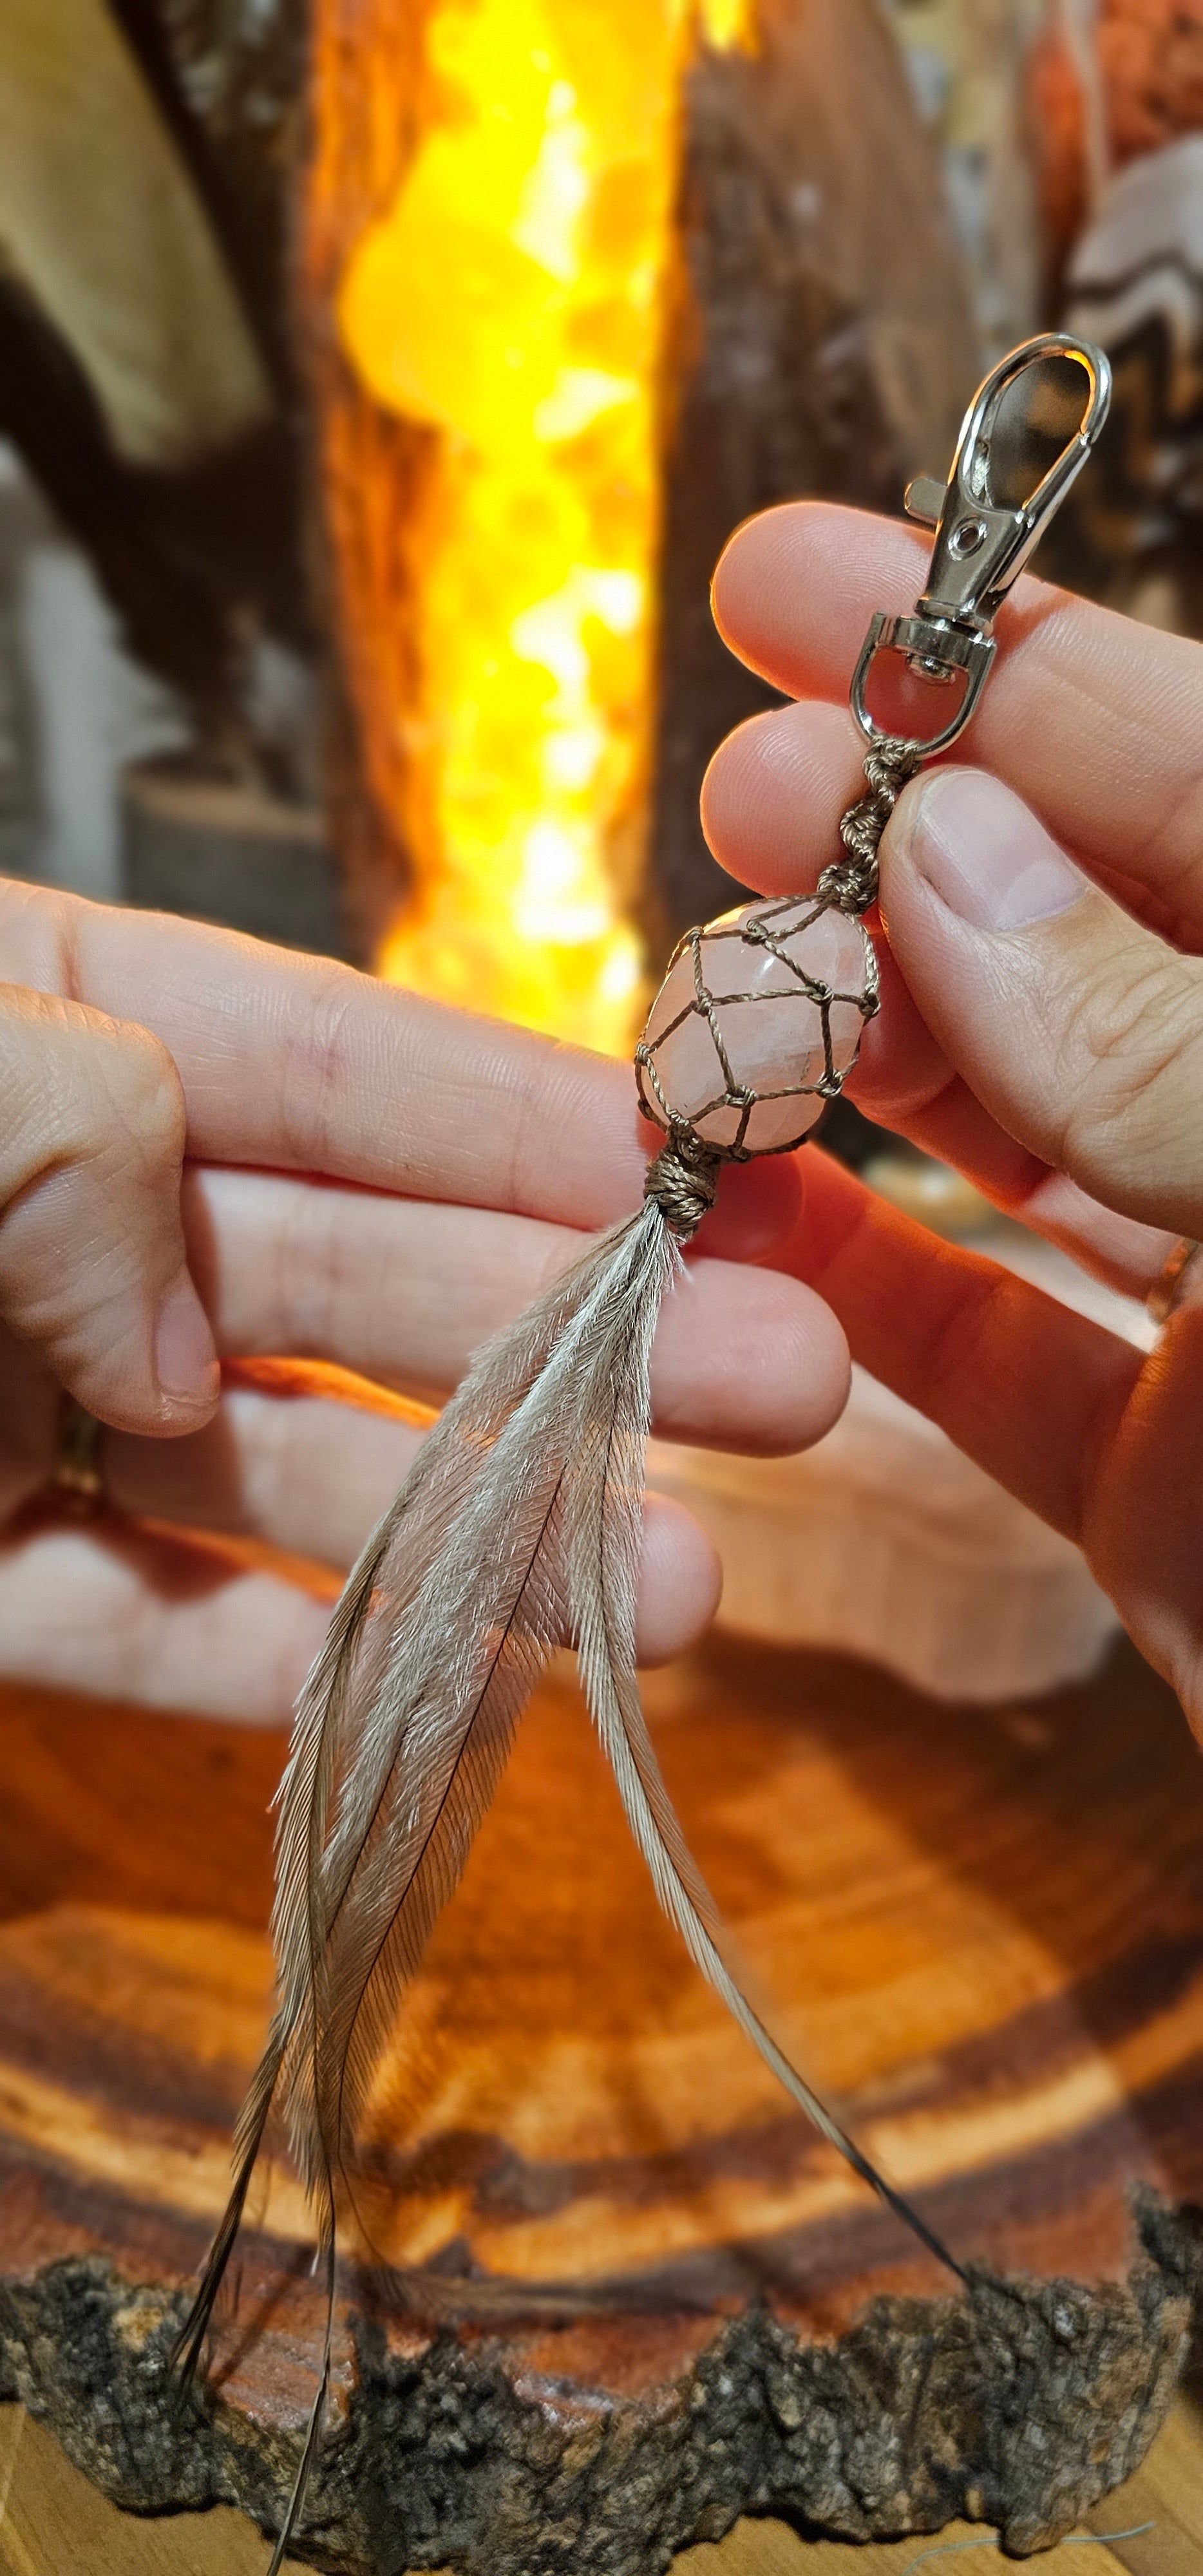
x=683, y=1180
x=851, y=884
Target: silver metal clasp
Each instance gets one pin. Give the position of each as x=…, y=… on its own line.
x=981, y=544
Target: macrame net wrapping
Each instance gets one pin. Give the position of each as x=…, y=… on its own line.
x=809, y=1022
x=889, y=767
x=719, y=1082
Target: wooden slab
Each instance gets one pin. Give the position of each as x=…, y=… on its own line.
x=618, y=2280
x=51, y=2518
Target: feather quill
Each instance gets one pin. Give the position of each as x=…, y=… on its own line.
x=519, y=1527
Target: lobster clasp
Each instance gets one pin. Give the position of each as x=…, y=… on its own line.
x=981, y=544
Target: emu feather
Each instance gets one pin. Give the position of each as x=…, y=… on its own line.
x=520, y=1524
x=518, y=1528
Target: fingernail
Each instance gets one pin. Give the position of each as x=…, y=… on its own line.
x=986, y=855
x=185, y=1361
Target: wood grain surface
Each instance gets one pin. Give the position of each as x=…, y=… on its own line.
x=368, y=96
x=982, y=1931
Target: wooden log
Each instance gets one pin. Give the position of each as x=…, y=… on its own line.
x=825, y=348
x=51, y=2517
x=369, y=465
x=620, y=2293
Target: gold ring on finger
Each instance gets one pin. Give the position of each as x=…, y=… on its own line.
x=77, y=1478
x=1178, y=1283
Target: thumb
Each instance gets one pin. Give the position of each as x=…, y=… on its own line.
x=92, y=1263
x=1080, y=1031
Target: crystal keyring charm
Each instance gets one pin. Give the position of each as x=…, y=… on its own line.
x=522, y=1522
x=759, y=1019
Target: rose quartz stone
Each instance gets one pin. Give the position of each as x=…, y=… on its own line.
x=770, y=1027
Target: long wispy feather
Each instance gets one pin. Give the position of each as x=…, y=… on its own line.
x=518, y=1528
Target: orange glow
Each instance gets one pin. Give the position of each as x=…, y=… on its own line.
x=511, y=299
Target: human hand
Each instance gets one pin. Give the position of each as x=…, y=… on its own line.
x=347, y=1175
x=1041, y=1028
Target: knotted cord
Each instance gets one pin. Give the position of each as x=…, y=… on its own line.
x=851, y=883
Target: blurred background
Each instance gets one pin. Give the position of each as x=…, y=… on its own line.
x=379, y=380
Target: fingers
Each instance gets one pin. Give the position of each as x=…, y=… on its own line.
x=1145, y=1528
x=1028, y=1388
x=1080, y=1032
x=143, y=1616
x=1097, y=1438
x=294, y=1062
x=309, y=1473
x=1094, y=721
x=404, y=1291
x=680, y=1582
x=93, y=1272
x=774, y=792
x=300, y=1460
x=767, y=805
x=123, y=1612
x=304, y=1461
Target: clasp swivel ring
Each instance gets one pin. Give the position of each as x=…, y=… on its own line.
x=981, y=546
